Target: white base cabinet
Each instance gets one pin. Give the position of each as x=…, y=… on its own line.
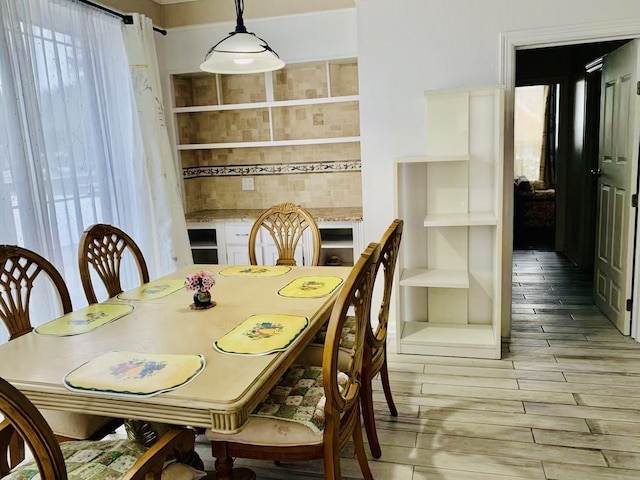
x=449, y=266
x=228, y=242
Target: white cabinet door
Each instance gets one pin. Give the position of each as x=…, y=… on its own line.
x=237, y=242
x=618, y=163
x=237, y=255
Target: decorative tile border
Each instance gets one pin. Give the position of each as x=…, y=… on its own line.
x=274, y=169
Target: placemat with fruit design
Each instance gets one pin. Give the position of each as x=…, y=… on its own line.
x=262, y=334
x=153, y=290
x=84, y=320
x=310, y=287
x=254, y=271
x=134, y=374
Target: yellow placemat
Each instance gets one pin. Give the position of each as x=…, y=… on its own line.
x=134, y=374
x=153, y=290
x=310, y=287
x=262, y=334
x=84, y=320
x=254, y=271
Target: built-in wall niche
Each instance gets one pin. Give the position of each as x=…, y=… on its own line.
x=303, y=121
x=303, y=81
x=311, y=102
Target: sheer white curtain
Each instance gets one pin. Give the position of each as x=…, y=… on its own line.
x=71, y=149
x=157, y=173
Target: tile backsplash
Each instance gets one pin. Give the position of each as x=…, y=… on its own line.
x=335, y=181
x=312, y=190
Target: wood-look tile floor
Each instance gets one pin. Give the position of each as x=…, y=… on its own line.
x=563, y=402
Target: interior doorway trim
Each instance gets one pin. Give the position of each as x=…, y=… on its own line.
x=539, y=38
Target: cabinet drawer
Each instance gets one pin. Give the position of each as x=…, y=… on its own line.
x=237, y=233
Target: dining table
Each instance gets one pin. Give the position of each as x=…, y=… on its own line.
x=53, y=364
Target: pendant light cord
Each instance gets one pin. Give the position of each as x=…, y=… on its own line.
x=240, y=28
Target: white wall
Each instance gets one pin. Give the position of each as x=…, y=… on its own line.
x=296, y=38
x=408, y=46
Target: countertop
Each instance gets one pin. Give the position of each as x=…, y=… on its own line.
x=347, y=214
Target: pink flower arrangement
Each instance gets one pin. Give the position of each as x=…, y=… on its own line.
x=200, y=281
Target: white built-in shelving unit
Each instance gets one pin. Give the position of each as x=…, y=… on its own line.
x=259, y=107
x=448, y=295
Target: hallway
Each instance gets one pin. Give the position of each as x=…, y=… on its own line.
x=563, y=402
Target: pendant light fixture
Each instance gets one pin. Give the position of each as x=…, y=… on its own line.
x=241, y=51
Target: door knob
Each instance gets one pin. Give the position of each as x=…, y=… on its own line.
x=596, y=172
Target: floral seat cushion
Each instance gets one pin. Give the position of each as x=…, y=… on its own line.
x=101, y=460
x=299, y=397
x=347, y=336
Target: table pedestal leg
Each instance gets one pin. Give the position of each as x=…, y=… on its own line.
x=148, y=433
x=224, y=465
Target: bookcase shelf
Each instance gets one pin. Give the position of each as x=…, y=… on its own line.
x=460, y=219
x=448, y=295
x=424, y=277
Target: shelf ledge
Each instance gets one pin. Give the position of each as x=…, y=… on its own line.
x=425, y=277
x=433, y=159
x=460, y=219
x=274, y=104
x=336, y=244
x=268, y=143
x=203, y=246
x=452, y=335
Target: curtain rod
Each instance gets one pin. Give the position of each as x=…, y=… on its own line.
x=126, y=19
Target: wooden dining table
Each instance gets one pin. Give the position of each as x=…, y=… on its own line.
x=226, y=391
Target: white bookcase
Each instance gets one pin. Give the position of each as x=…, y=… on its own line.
x=449, y=272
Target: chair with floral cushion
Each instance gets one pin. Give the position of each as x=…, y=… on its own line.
x=102, y=246
x=376, y=351
x=20, y=268
x=376, y=354
x=113, y=459
x=314, y=410
x=286, y=223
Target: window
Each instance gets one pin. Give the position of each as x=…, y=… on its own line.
x=66, y=123
x=530, y=117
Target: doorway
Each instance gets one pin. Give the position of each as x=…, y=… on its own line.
x=559, y=214
x=557, y=211
x=516, y=43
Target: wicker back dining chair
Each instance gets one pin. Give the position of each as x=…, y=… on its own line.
x=286, y=223
x=331, y=381
x=55, y=461
x=102, y=246
x=19, y=270
x=376, y=338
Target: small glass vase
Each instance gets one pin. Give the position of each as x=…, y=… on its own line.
x=202, y=299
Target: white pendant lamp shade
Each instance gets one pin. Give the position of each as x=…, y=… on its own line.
x=241, y=52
